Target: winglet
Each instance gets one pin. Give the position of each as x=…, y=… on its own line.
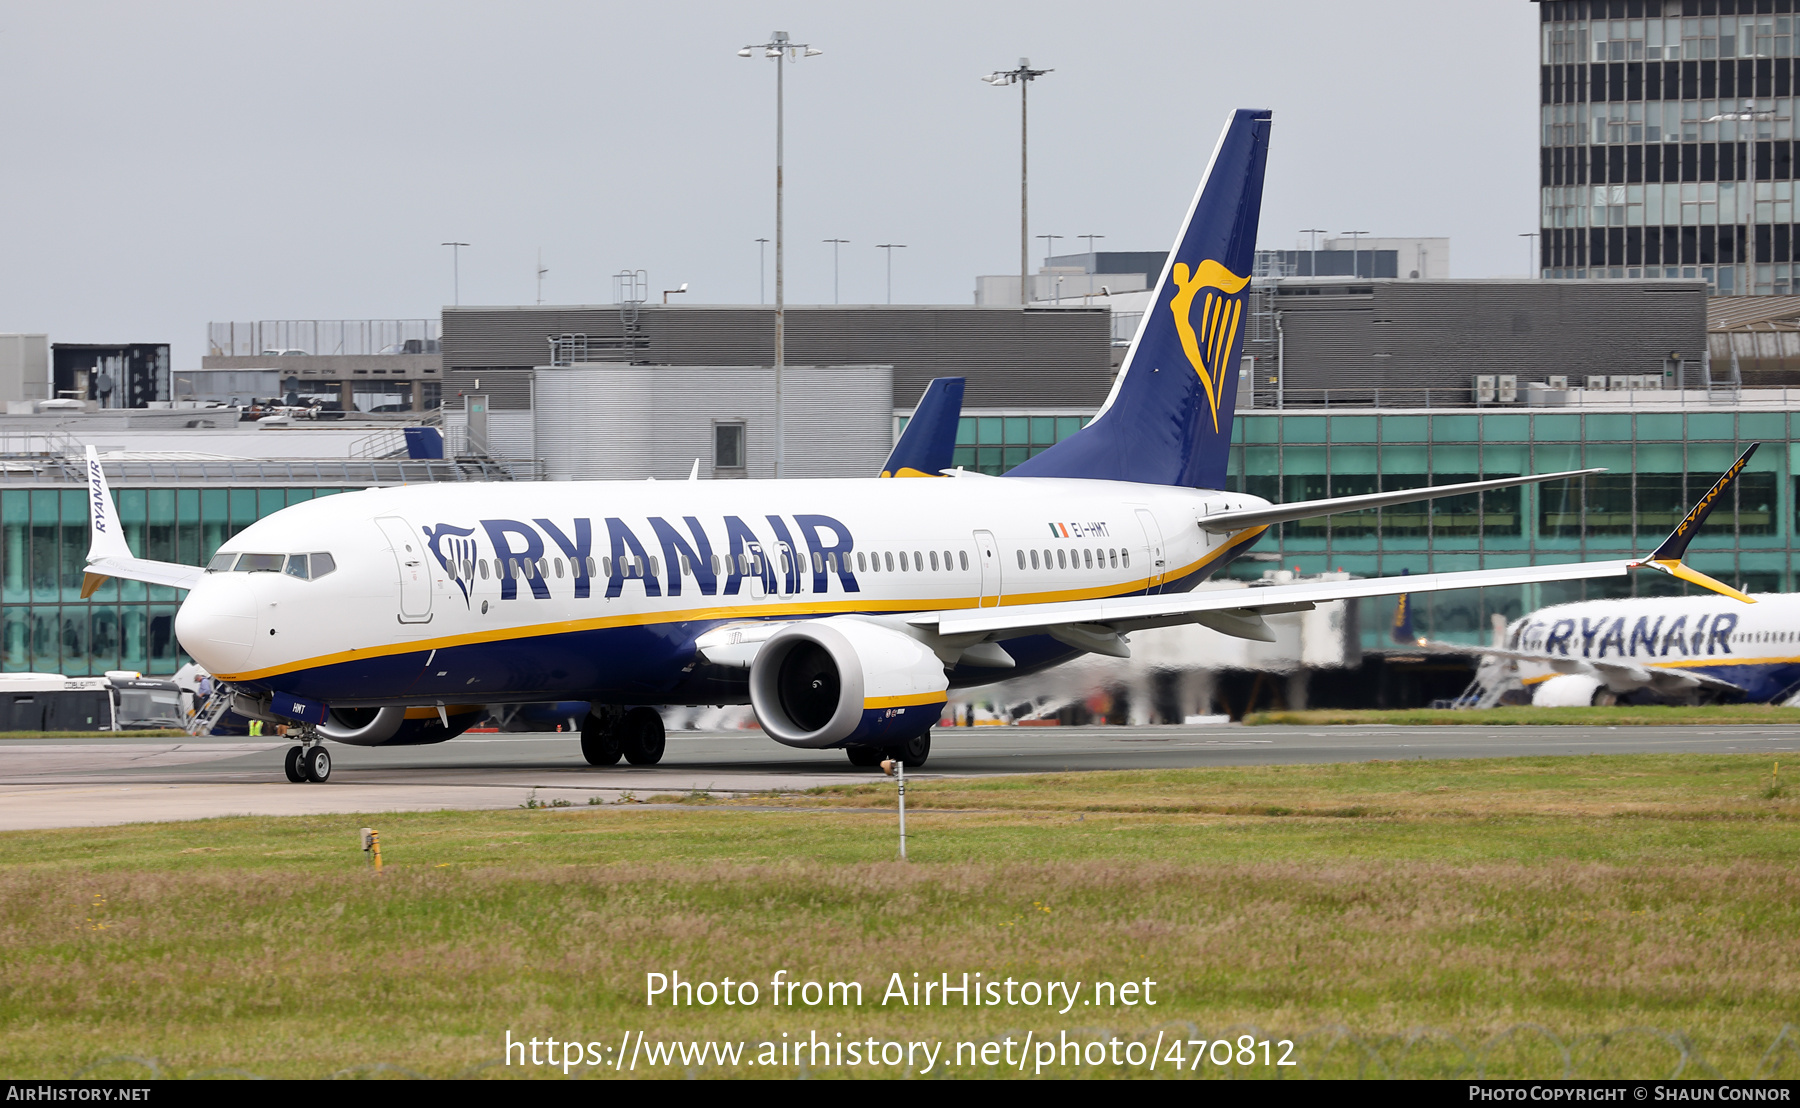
x=106, y=539
x=1667, y=557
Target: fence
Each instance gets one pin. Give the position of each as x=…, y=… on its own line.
x=1533, y=396
x=324, y=337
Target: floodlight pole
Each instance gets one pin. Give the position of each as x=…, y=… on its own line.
x=835, y=243
x=1530, y=238
x=762, y=270
x=1022, y=76
x=455, y=269
x=779, y=47
x=890, y=247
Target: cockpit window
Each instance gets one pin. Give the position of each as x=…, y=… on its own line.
x=260, y=563
x=307, y=567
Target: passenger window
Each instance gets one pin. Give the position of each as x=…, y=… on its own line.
x=221, y=563
x=818, y=561
x=559, y=567
x=593, y=570
x=1062, y=561
x=606, y=566
x=1021, y=555
x=1087, y=559
x=1125, y=559
x=862, y=562
x=1114, y=556
x=655, y=567
x=889, y=559
x=903, y=565
x=1034, y=559
x=918, y=561
x=296, y=566
x=963, y=557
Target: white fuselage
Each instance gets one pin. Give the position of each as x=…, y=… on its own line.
x=1754, y=646
x=597, y=590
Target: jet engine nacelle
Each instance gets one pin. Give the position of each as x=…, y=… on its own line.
x=397, y=725
x=1571, y=690
x=842, y=680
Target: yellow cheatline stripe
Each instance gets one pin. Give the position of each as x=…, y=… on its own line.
x=449, y=710
x=1685, y=663
x=906, y=701
x=909, y=471
x=762, y=610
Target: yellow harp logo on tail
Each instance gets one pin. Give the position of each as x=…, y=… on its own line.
x=1220, y=311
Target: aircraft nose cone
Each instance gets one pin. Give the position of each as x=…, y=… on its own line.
x=217, y=623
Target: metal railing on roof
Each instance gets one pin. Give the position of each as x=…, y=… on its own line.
x=324, y=336
x=1530, y=396
x=71, y=470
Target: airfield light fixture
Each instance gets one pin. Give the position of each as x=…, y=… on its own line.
x=1022, y=76
x=779, y=46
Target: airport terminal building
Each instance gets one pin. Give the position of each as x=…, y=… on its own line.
x=1452, y=381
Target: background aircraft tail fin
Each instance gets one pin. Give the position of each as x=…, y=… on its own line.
x=928, y=445
x=1168, y=419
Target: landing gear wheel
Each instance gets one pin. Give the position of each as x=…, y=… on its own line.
x=915, y=751
x=599, y=742
x=292, y=764
x=864, y=756
x=316, y=764
x=641, y=737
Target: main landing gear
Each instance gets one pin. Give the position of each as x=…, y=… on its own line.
x=912, y=753
x=608, y=734
x=308, y=762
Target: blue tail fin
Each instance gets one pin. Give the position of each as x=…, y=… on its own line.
x=1403, y=613
x=1168, y=420
x=928, y=445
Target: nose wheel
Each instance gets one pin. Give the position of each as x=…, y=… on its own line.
x=308, y=763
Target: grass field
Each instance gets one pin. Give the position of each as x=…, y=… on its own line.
x=1417, y=918
x=1616, y=716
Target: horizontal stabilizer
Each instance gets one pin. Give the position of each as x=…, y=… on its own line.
x=1224, y=523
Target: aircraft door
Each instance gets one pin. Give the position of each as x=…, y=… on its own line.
x=789, y=569
x=757, y=577
x=987, y=553
x=415, y=574
x=1158, y=561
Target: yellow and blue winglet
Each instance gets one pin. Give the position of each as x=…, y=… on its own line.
x=1667, y=557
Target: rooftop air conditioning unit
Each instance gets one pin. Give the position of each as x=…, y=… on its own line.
x=1619, y=382
x=1597, y=383
x=1559, y=381
x=1484, y=388
x=1508, y=388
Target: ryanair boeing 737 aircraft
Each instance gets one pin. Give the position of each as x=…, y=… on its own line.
x=843, y=610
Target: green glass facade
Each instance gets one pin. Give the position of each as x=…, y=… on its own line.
x=46, y=627
x=1657, y=464
x=995, y=443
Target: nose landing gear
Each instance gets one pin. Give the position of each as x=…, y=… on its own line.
x=308, y=762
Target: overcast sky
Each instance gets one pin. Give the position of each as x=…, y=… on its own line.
x=173, y=163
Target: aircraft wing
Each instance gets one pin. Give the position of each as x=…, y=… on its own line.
x=108, y=553
x=1233, y=611
x=1620, y=676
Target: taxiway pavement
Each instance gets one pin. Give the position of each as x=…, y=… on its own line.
x=93, y=782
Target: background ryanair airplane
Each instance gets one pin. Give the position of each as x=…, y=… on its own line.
x=844, y=611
